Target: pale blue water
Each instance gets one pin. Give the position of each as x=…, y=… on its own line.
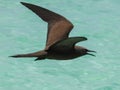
x=21, y=31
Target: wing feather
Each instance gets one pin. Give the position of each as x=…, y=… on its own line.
x=66, y=45
x=58, y=26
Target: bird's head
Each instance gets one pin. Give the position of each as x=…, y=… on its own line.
x=83, y=51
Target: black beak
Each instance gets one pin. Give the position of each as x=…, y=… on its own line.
x=90, y=53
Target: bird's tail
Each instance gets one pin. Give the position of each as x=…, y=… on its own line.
x=23, y=55
x=36, y=54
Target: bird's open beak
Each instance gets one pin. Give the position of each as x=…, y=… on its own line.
x=90, y=53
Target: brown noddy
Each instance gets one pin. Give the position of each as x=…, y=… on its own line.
x=58, y=45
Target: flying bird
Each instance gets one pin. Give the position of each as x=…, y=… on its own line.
x=58, y=45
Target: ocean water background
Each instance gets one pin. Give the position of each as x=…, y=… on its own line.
x=21, y=31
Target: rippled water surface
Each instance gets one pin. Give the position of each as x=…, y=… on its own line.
x=21, y=31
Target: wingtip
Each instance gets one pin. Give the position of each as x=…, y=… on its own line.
x=84, y=38
x=23, y=3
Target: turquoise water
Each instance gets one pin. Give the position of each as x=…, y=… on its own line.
x=21, y=31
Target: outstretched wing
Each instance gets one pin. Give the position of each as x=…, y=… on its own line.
x=66, y=45
x=58, y=26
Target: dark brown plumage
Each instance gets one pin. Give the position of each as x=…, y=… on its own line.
x=58, y=45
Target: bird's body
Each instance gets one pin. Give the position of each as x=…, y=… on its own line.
x=58, y=45
x=65, y=55
x=56, y=55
